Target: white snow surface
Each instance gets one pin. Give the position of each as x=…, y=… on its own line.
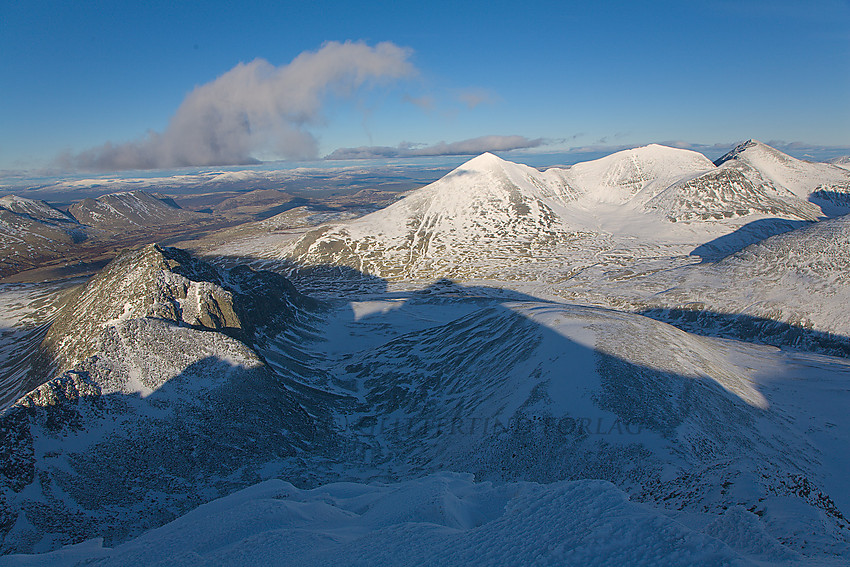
x=798, y=176
x=443, y=519
x=740, y=457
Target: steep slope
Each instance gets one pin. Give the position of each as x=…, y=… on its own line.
x=32, y=232
x=753, y=178
x=730, y=191
x=26, y=311
x=169, y=284
x=130, y=211
x=35, y=209
x=781, y=170
x=842, y=162
x=799, y=278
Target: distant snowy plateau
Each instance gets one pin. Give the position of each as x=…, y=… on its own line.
x=643, y=359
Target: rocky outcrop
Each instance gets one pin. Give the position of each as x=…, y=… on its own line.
x=159, y=402
x=169, y=284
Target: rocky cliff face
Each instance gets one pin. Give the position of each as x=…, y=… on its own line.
x=154, y=361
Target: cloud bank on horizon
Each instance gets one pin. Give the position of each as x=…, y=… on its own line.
x=472, y=146
x=254, y=106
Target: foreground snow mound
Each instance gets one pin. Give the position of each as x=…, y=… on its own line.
x=438, y=520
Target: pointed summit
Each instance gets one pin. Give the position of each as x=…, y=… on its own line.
x=769, y=165
x=484, y=162
x=738, y=151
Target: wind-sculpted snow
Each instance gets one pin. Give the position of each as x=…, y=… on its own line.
x=442, y=519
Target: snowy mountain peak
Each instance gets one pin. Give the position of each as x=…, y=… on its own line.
x=750, y=149
x=774, y=168
x=620, y=177
x=484, y=162
x=129, y=210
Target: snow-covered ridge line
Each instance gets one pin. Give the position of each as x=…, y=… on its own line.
x=491, y=207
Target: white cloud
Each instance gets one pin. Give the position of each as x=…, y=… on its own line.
x=255, y=106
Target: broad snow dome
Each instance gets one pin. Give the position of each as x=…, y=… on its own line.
x=647, y=170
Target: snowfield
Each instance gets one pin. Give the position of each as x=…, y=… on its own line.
x=437, y=520
x=640, y=360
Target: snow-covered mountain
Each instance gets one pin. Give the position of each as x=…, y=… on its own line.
x=635, y=175
x=728, y=191
x=783, y=171
x=129, y=210
x=511, y=210
x=32, y=231
x=842, y=162
x=35, y=209
x=654, y=404
x=494, y=219
x=159, y=348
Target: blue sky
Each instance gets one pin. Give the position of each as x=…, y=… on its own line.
x=549, y=76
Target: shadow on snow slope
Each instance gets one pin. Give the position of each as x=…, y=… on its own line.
x=462, y=378
x=750, y=233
